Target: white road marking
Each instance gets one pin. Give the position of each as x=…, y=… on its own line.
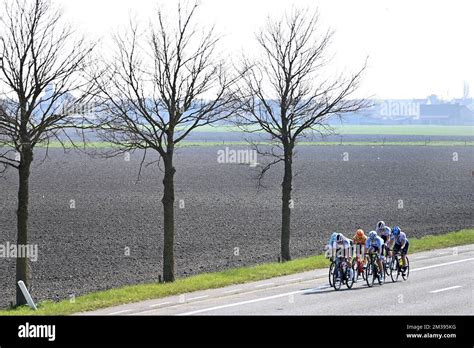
x=160, y=304
x=230, y=291
x=445, y=289
x=262, y=285
x=256, y=300
x=248, y=293
x=143, y=313
x=243, y=302
x=293, y=280
x=441, y=264
x=197, y=297
x=120, y=312
x=209, y=309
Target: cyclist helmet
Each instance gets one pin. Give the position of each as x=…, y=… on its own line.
x=333, y=237
x=380, y=225
x=372, y=235
x=360, y=233
x=396, y=231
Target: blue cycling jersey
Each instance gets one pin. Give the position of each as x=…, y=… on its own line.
x=375, y=243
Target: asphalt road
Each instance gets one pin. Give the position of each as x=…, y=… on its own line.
x=440, y=283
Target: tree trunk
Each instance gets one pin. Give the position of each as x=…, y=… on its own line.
x=22, y=221
x=286, y=210
x=168, y=209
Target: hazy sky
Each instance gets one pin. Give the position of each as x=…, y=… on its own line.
x=415, y=48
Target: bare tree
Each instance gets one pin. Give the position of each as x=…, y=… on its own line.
x=287, y=94
x=163, y=84
x=40, y=62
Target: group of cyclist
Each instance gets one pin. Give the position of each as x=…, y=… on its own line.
x=383, y=241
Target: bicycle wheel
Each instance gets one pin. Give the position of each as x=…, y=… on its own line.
x=350, y=277
x=394, y=269
x=331, y=272
x=369, y=274
x=386, y=265
x=355, y=270
x=407, y=271
x=379, y=274
x=337, y=279
x=367, y=262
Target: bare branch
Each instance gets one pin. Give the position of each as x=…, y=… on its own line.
x=286, y=92
x=41, y=74
x=163, y=83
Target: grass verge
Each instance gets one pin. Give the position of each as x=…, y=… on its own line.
x=421, y=129
x=204, y=281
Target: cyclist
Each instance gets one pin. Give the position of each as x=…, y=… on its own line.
x=337, y=243
x=374, y=244
x=359, y=240
x=400, y=244
x=384, y=232
x=328, y=246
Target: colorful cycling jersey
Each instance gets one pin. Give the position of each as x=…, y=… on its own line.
x=374, y=243
x=400, y=239
x=359, y=240
x=386, y=231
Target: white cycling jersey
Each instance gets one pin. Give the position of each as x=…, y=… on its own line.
x=344, y=243
x=386, y=231
x=400, y=239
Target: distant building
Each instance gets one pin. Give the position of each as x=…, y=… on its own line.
x=431, y=110
x=446, y=114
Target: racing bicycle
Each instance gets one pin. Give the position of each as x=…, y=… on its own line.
x=396, y=267
x=341, y=273
x=372, y=270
